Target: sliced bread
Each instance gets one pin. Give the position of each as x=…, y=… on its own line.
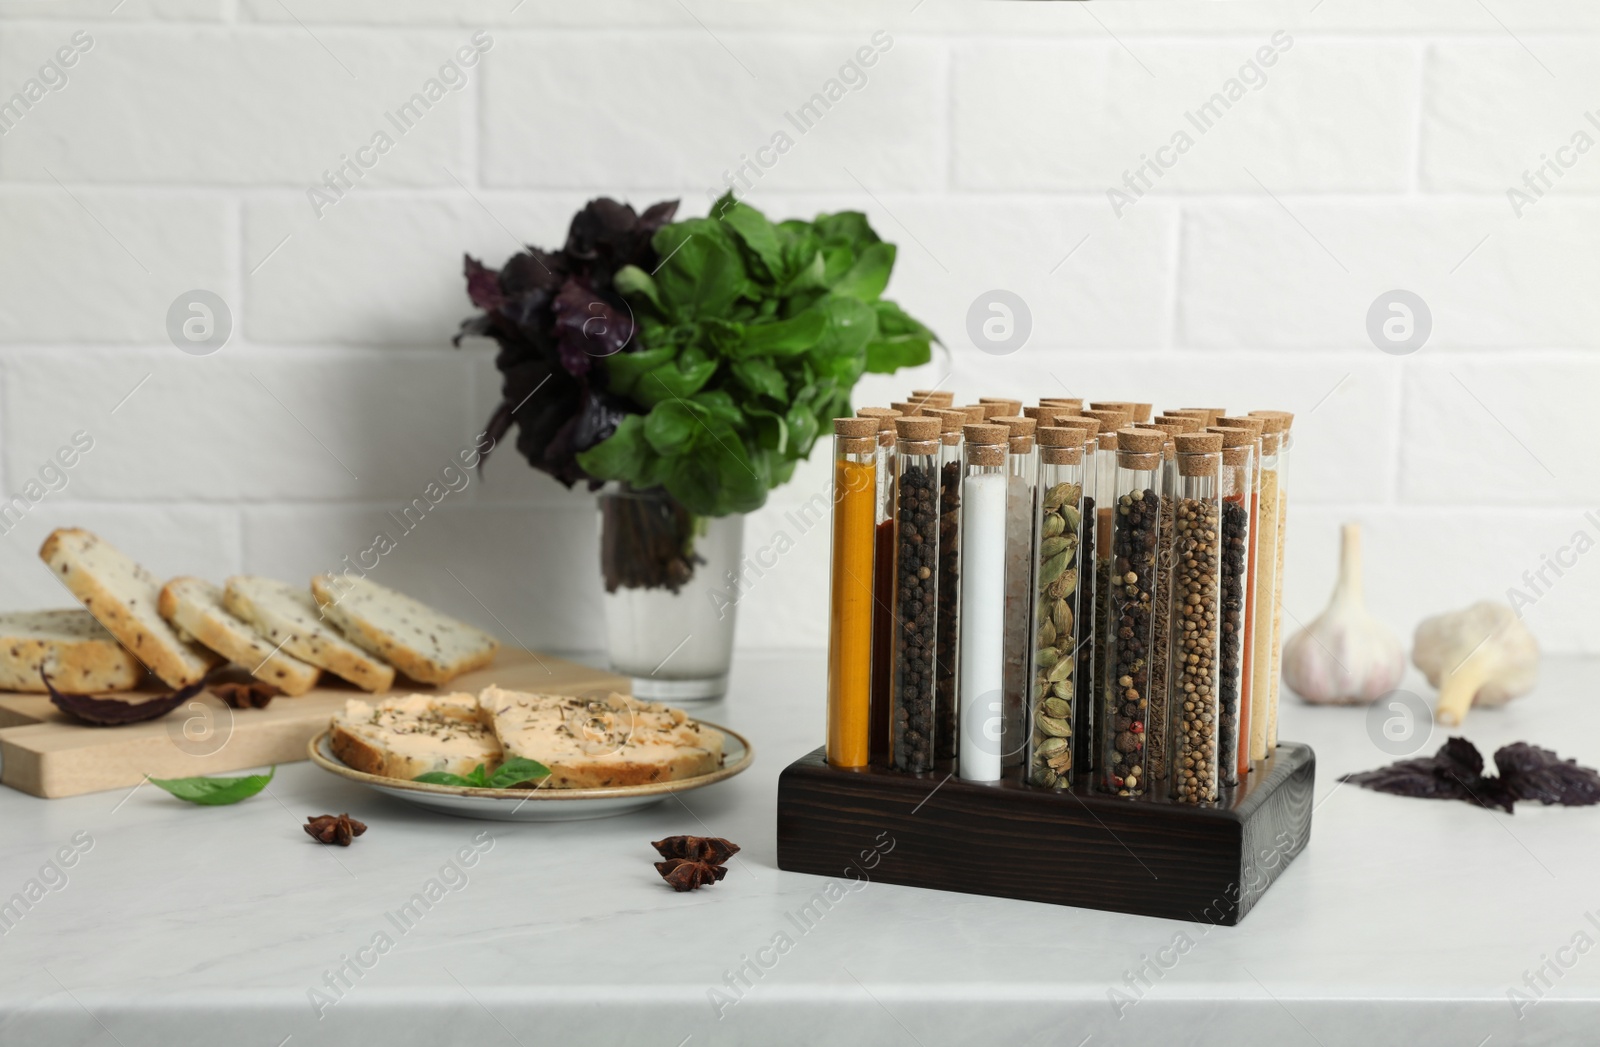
x=122, y=596
x=289, y=616
x=77, y=652
x=427, y=646
x=194, y=606
x=403, y=737
x=592, y=743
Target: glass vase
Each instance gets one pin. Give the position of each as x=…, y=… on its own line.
x=673, y=582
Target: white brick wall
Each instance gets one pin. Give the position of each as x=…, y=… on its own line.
x=1374, y=153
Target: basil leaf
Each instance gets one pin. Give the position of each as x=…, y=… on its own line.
x=444, y=778
x=515, y=771
x=754, y=231
x=214, y=792
x=869, y=276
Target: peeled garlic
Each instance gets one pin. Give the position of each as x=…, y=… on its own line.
x=1346, y=656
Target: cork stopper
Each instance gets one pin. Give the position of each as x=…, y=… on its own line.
x=1016, y=405
x=1184, y=424
x=885, y=415
x=1200, y=415
x=950, y=420
x=1140, y=441
x=1033, y=412
x=1051, y=436
x=1061, y=401
x=1273, y=423
x=1143, y=461
x=1018, y=425
x=975, y=413
x=1090, y=426
x=1141, y=412
x=1107, y=440
x=855, y=426
x=1110, y=421
x=1236, y=457
x=1287, y=416
x=1021, y=444
x=996, y=435
x=1211, y=413
x=917, y=429
x=1060, y=455
x=1255, y=425
x=1125, y=406
x=1233, y=436
x=1194, y=460
x=1272, y=443
x=991, y=411
x=1199, y=443
x=937, y=397
x=854, y=444
x=906, y=408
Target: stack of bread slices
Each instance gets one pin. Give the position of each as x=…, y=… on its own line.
x=285, y=636
x=588, y=742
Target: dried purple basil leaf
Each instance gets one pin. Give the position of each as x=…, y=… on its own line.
x=1532, y=773
x=115, y=712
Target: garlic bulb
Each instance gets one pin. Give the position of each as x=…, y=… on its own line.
x=1346, y=656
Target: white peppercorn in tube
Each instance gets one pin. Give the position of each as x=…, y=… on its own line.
x=1196, y=617
x=983, y=603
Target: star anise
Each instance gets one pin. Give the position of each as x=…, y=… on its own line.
x=333, y=828
x=245, y=695
x=693, y=862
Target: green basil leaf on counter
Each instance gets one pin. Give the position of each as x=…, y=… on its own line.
x=214, y=792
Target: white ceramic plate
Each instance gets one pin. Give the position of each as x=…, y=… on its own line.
x=535, y=805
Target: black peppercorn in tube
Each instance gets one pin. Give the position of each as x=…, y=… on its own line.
x=916, y=593
x=1130, y=610
x=947, y=645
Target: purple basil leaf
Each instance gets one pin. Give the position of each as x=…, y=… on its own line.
x=1532, y=773
x=483, y=284
x=114, y=712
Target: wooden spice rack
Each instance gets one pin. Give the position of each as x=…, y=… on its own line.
x=1151, y=856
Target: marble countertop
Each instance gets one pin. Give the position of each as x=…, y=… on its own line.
x=1403, y=921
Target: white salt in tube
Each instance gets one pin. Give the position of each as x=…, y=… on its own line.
x=983, y=599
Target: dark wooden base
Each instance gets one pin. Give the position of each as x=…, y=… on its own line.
x=1151, y=856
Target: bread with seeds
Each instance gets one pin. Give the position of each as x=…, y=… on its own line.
x=122, y=596
x=194, y=607
x=287, y=615
x=427, y=646
x=403, y=737
x=77, y=652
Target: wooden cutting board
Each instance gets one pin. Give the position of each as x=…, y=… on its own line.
x=44, y=752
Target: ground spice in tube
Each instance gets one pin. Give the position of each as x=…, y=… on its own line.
x=882, y=583
x=855, y=489
x=1281, y=505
